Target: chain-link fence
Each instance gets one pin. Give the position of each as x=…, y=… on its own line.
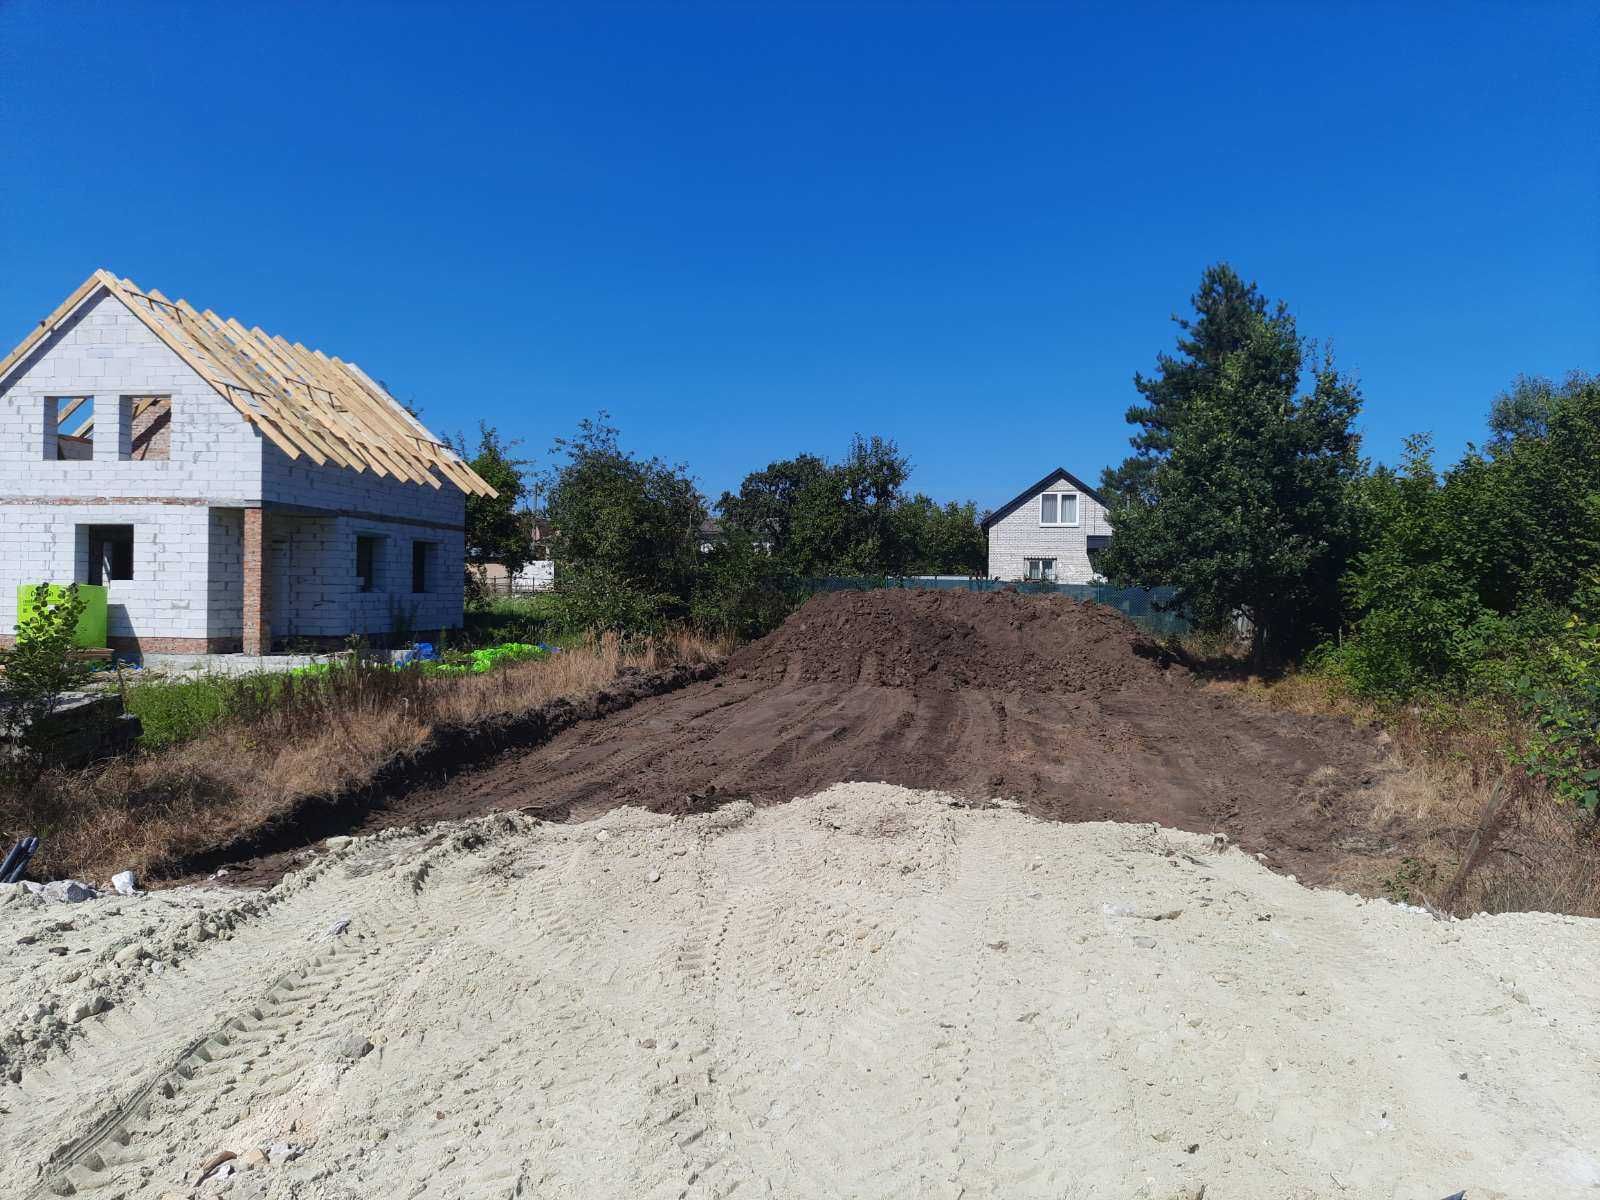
x=1144, y=606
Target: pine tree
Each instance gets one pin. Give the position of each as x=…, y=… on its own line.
x=1238, y=489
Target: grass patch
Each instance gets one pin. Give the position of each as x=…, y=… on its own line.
x=540, y=617
x=178, y=710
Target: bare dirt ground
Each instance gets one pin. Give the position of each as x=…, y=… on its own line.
x=1060, y=705
x=870, y=992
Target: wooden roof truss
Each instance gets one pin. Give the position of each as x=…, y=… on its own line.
x=307, y=404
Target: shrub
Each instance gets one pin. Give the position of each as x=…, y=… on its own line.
x=742, y=592
x=599, y=600
x=173, y=711
x=1560, y=696
x=541, y=617
x=42, y=665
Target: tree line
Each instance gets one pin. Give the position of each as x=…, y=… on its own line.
x=633, y=551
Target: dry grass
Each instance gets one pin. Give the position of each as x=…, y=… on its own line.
x=1450, y=762
x=317, y=738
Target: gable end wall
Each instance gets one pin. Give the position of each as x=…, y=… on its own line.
x=106, y=352
x=1018, y=536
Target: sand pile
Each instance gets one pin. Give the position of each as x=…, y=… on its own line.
x=868, y=993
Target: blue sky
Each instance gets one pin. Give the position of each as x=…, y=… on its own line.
x=751, y=230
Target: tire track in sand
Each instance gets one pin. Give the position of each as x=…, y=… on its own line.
x=249, y=1057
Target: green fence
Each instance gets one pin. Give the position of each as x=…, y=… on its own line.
x=1144, y=606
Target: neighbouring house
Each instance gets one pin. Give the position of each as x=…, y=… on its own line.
x=538, y=574
x=232, y=490
x=712, y=535
x=1049, y=532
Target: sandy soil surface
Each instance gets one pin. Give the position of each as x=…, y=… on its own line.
x=1061, y=705
x=870, y=992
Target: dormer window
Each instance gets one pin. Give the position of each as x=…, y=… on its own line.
x=1058, y=508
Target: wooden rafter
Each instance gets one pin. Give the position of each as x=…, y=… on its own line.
x=308, y=404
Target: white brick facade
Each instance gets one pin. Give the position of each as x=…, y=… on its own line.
x=187, y=510
x=1017, y=533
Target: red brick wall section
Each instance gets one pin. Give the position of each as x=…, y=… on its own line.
x=152, y=428
x=257, y=637
x=158, y=645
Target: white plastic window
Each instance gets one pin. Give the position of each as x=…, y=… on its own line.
x=1058, y=508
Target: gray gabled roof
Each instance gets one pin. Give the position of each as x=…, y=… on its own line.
x=1059, y=475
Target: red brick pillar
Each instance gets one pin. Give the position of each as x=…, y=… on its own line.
x=257, y=636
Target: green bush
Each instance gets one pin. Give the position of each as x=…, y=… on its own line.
x=1560, y=697
x=173, y=711
x=541, y=617
x=742, y=592
x=41, y=665
x=597, y=599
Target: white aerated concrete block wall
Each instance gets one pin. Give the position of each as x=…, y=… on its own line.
x=1019, y=536
x=170, y=592
x=326, y=599
x=107, y=353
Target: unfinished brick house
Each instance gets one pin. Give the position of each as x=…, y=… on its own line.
x=232, y=490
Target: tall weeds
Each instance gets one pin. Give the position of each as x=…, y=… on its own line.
x=283, y=739
x=1451, y=759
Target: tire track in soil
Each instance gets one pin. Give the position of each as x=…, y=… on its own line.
x=1057, y=706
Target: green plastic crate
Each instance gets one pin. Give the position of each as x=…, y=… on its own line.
x=91, y=626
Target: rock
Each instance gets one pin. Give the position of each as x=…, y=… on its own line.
x=85, y=1009
x=1145, y=943
x=253, y=1158
x=655, y=876
x=338, y=927
x=68, y=891
x=337, y=843
x=602, y=836
x=126, y=883
x=200, y=931
x=355, y=1046
x=32, y=888
x=219, y=1159
x=280, y=1153
x=130, y=954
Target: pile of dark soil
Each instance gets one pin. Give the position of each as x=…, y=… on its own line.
x=953, y=640
x=1059, y=706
